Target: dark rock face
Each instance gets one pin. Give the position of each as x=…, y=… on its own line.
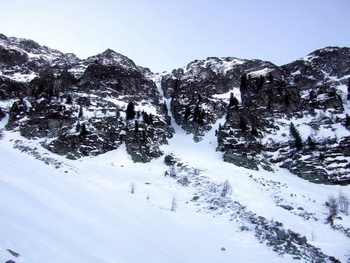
x=275, y=95
x=143, y=144
x=10, y=89
x=120, y=81
x=12, y=57
x=240, y=159
x=328, y=65
x=2, y=114
x=100, y=136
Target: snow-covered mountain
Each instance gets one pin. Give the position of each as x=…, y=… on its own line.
x=105, y=161
x=260, y=103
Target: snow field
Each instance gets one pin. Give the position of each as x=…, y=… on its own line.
x=84, y=212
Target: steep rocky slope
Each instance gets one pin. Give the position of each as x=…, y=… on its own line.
x=193, y=90
x=294, y=116
x=78, y=107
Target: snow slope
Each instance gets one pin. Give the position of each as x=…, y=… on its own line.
x=84, y=211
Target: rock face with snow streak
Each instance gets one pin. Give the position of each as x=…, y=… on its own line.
x=193, y=90
x=311, y=93
x=79, y=107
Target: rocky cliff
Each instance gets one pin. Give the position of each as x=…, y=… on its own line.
x=293, y=116
x=78, y=107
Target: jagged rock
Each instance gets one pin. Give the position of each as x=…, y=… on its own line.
x=101, y=136
x=2, y=114
x=308, y=172
x=17, y=111
x=113, y=74
x=345, y=146
x=170, y=160
x=272, y=95
x=240, y=160
x=282, y=235
x=318, y=67
x=287, y=207
x=10, y=89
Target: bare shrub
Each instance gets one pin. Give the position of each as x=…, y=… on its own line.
x=173, y=204
x=172, y=171
x=226, y=188
x=343, y=203
x=313, y=236
x=196, y=171
x=184, y=181
x=132, y=188
x=332, y=205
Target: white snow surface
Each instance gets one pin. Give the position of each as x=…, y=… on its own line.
x=84, y=211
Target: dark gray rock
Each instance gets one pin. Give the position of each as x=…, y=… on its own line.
x=2, y=114
x=287, y=207
x=170, y=160
x=282, y=235
x=240, y=160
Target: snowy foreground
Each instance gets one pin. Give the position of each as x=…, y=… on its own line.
x=85, y=211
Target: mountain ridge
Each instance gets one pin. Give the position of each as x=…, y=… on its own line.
x=89, y=100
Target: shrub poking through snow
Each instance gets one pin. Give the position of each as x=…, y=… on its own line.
x=343, y=203
x=132, y=188
x=173, y=204
x=332, y=205
x=226, y=188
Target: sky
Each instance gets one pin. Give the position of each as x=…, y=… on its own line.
x=164, y=35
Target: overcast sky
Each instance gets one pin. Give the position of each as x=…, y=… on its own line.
x=164, y=35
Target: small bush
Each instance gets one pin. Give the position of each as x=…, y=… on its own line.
x=132, y=188
x=226, y=188
x=332, y=205
x=343, y=203
x=172, y=171
x=173, y=204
